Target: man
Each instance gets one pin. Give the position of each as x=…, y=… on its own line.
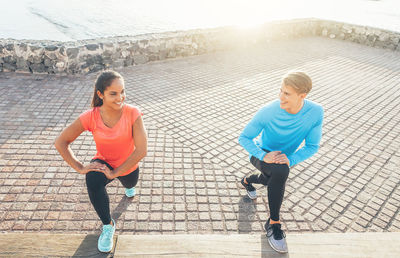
x=284, y=124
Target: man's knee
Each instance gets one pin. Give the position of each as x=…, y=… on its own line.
x=281, y=171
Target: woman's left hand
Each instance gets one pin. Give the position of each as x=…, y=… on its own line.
x=109, y=173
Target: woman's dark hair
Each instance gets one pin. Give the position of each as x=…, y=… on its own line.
x=102, y=82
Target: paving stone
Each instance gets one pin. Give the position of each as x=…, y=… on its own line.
x=194, y=110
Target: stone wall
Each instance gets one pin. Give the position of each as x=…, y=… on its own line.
x=94, y=55
x=360, y=34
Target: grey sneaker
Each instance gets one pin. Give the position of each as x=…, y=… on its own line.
x=251, y=191
x=276, y=237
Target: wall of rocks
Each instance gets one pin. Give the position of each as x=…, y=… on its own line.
x=373, y=37
x=94, y=55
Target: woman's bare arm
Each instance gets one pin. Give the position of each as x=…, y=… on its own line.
x=62, y=142
x=140, y=138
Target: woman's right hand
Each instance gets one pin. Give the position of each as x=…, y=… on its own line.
x=94, y=166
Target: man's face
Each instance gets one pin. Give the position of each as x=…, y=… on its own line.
x=290, y=99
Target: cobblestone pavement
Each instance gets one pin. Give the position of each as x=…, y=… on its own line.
x=194, y=109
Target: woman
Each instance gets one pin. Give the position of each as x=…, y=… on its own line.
x=121, y=142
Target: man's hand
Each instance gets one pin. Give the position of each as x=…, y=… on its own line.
x=282, y=159
x=271, y=156
x=276, y=157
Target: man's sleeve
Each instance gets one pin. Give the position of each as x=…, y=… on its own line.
x=251, y=131
x=311, y=145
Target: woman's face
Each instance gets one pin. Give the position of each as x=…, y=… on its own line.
x=114, y=95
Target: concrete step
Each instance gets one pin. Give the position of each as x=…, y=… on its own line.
x=300, y=245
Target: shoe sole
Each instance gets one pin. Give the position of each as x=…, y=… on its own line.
x=252, y=198
x=276, y=250
x=104, y=251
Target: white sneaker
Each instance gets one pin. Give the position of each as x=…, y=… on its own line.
x=106, y=239
x=130, y=192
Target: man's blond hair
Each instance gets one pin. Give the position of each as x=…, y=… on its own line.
x=300, y=81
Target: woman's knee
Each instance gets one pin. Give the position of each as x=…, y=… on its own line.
x=95, y=180
x=130, y=180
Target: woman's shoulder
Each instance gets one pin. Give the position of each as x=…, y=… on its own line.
x=131, y=107
x=88, y=112
x=133, y=111
x=87, y=118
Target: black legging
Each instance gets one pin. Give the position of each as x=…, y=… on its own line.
x=96, y=185
x=274, y=176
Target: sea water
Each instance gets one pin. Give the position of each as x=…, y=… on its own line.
x=86, y=19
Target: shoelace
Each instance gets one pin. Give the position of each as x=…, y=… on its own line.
x=108, y=232
x=278, y=232
x=249, y=187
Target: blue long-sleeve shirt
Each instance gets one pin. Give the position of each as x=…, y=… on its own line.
x=282, y=131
